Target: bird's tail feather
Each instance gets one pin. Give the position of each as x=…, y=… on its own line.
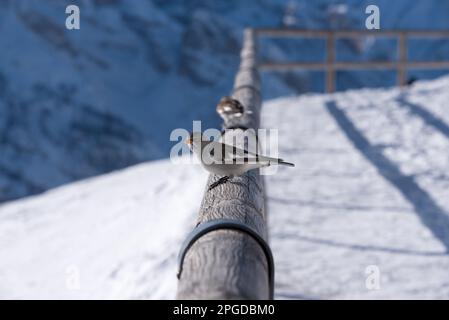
x=284, y=163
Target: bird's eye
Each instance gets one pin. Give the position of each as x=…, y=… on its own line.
x=189, y=140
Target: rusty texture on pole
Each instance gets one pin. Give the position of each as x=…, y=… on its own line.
x=230, y=264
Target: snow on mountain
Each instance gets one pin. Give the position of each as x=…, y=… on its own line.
x=369, y=190
x=74, y=104
x=115, y=236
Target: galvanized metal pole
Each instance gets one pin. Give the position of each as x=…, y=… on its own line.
x=229, y=263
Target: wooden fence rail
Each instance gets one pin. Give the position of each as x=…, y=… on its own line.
x=331, y=65
x=228, y=263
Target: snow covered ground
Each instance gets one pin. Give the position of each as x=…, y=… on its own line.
x=369, y=189
x=115, y=236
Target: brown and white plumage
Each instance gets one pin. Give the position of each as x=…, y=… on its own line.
x=230, y=107
x=226, y=160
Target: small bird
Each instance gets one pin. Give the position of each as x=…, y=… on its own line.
x=230, y=107
x=226, y=160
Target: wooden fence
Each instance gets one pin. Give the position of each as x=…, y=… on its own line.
x=331, y=65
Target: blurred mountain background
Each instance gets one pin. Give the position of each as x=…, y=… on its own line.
x=75, y=104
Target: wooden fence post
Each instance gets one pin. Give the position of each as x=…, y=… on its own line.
x=330, y=74
x=229, y=263
x=402, y=59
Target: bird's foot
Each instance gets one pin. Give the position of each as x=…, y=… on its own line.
x=218, y=182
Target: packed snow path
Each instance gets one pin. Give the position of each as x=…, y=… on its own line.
x=369, y=190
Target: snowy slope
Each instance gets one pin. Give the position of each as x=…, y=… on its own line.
x=115, y=236
x=370, y=188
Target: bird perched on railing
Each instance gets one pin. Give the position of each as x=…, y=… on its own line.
x=229, y=107
x=226, y=160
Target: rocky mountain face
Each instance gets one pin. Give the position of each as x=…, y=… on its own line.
x=77, y=103
x=49, y=138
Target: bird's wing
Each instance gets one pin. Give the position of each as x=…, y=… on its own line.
x=226, y=152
